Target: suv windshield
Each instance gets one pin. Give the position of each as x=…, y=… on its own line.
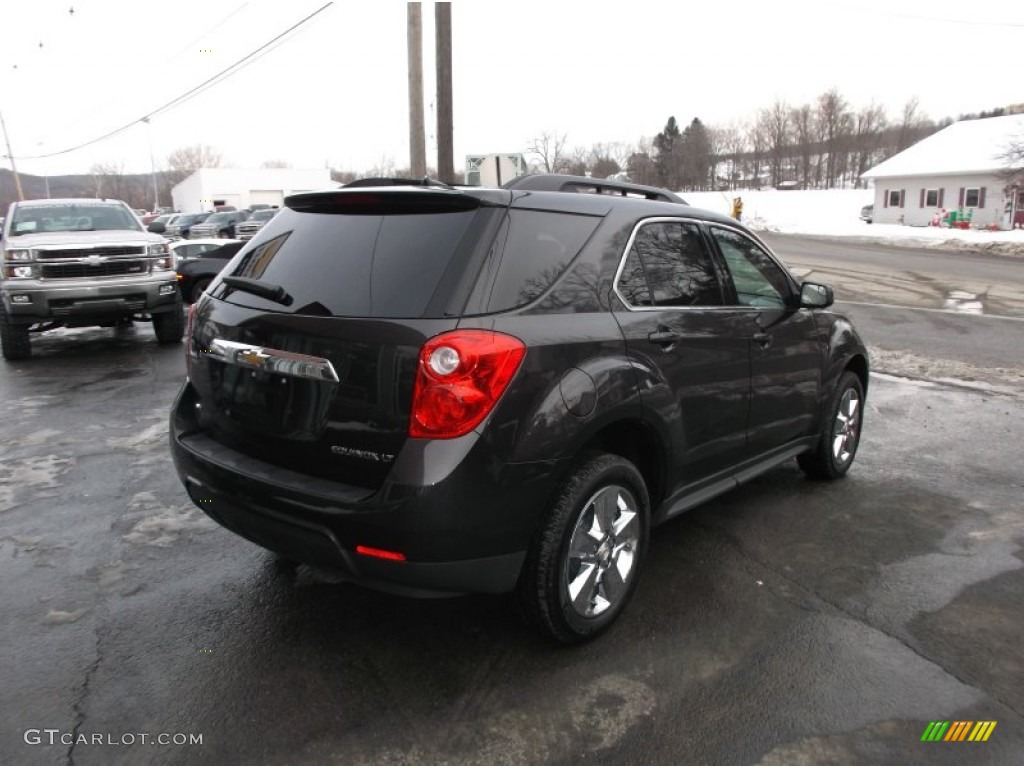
x=220, y=218
x=72, y=217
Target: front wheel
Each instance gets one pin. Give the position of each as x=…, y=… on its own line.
x=840, y=436
x=14, y=339
x=582, y=566
x=170, y=326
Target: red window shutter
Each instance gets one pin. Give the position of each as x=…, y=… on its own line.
x=903, y=197
x=886, y=198
x=981, y=198
x=961, y=203
x=921, y=204
x=942, y=196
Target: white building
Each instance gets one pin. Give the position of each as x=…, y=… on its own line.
x=957, y=169
x=242, y=187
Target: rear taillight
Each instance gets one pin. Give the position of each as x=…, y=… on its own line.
x=461, y=375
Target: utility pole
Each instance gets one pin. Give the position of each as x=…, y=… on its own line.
x=443, y=25
x=152, y=164
x=14, y=168
x=417, y=140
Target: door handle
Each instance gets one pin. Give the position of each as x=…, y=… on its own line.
x=764, y=340
x=664, y=337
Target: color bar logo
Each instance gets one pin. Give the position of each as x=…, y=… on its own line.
x=958, y=730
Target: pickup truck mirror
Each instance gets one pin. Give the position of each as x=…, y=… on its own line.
x=816, y=296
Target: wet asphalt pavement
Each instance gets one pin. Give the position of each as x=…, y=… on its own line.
x=787, y=622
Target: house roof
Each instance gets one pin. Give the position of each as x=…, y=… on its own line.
x=969, y=146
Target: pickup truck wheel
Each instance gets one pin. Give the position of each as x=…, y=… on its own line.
x=583, y=564
x=840, y=435
x=14, y=339
x=170, y=326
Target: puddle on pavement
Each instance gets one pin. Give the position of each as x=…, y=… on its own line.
x=964, y=301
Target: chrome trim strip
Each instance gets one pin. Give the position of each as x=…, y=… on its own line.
x=276, y=361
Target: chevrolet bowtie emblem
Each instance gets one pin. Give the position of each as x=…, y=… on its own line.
x=254, y=357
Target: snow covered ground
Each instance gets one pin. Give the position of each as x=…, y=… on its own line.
x=835, y=213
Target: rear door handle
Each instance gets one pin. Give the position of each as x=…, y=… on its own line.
x=664, y=337
x=763, y=339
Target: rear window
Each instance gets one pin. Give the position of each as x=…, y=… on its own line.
x=352, y=265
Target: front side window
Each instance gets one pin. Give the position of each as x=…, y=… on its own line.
x=758, y=280
x=669, y=266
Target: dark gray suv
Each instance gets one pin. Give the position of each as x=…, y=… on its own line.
x=441, y=390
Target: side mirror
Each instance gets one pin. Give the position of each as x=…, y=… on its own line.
x=815, y=296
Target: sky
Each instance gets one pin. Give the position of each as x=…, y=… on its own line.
x=334, y=91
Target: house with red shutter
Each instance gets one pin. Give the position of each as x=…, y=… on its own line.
x=958, y=169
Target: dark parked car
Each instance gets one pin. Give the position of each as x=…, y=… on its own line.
x=182, y=226
x=438, y=390
x=220, y=224
x=867, y=213
x=196, y=273
x=246, y=230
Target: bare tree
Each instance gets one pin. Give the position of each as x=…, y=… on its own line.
x=867, y=132
x=912, y=119
x=549, y=148
x=834, y=124
x=757, y=139
x=777, y=126
x=804, y=132
x=1013, y=160
x=602, y=161
x=109, y=180
x=275, y=164
x=187, y=160
x=640, y=166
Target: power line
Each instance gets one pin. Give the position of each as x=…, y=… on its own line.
x=224, y=74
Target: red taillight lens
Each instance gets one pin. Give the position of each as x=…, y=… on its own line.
x=383, y=554
x=460, y=377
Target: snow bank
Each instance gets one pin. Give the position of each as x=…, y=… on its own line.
x=835, y=213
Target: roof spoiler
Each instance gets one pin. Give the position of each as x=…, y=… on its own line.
x=555, y=182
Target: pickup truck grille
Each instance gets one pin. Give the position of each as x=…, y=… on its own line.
x=247, y=231
x=100, y=250
x=107, y=269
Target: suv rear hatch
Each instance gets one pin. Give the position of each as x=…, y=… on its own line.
x=304, y=352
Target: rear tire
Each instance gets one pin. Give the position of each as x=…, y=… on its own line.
x=170, y=326
x=583, y=564
x=840, y=434
x=14, y=339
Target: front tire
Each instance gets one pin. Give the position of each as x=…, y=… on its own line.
x=583, y=564
x=840, y=435
x=199, y=288
x=170, y=326
x=14, y=339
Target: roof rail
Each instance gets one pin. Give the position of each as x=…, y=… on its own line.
x=382, y=181
x=556, y=182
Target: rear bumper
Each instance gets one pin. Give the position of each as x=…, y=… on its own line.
x=464, y=528
x=36, y=301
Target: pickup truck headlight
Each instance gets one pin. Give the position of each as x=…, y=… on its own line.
x=11, y=271
x=162, y=249
x=18, y=254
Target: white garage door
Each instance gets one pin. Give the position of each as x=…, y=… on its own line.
x=266, y=197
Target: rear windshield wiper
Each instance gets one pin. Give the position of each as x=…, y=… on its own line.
x=275, y=293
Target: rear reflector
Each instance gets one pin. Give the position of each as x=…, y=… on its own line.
x=383, y=554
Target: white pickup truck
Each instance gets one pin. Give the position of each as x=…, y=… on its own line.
x=81, y=262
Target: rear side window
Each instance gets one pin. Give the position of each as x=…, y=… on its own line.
x=669, y=266
x=539, y=247
x=352, y=265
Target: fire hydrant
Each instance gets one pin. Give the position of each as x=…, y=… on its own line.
x=737, y=208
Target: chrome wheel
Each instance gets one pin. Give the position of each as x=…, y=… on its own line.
x=846, y=428
x=602, y=552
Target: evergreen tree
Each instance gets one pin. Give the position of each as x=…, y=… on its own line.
x=696, y=156
x=667, y=155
